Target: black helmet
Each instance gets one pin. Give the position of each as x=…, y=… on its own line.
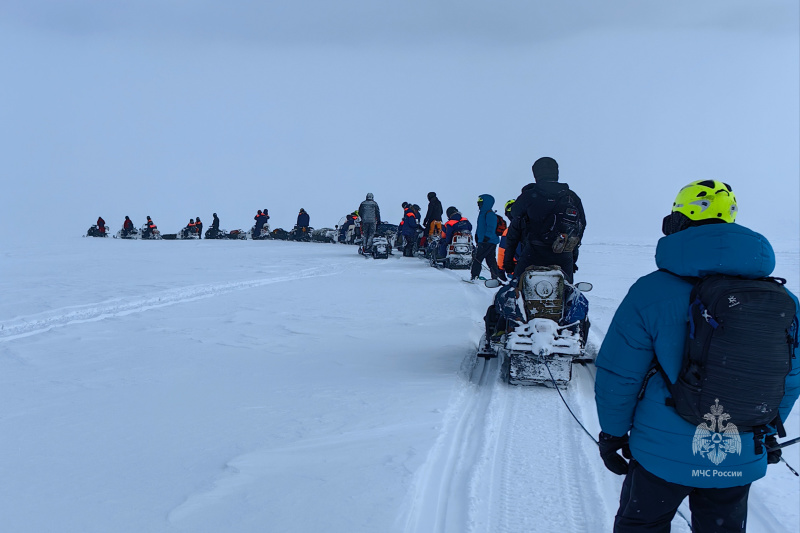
x=126, y=218
x=451, y=210
x=405, y=205
x=214, y=214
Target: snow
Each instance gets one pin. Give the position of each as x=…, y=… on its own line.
x=244, y=386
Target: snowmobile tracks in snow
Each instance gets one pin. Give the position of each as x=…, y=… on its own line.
x=508, y=459
x=32, y=325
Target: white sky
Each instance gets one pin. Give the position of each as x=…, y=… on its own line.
x=178, y=109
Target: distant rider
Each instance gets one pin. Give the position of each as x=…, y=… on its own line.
x=101, y=226
x=303, y=223
x=198, y=228
x=127, y=227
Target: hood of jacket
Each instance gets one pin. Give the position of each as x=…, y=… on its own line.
x=716, y=249
x=487, y=204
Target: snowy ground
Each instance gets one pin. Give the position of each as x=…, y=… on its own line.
x=270, y=386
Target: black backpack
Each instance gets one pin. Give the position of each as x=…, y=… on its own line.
x=563, y=228
x=740, y=343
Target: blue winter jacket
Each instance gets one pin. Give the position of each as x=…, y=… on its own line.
x=652, y=321
x=487, y=222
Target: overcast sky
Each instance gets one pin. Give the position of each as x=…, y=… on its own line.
x=180, y=108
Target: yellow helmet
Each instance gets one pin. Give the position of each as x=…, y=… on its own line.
x=707, y=199
x=701, y=202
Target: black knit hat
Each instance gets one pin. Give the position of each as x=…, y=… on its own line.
x=431, y=195
x=545, y=169
x=451, y=210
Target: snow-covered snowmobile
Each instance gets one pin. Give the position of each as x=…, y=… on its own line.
x=323, y=235
x=381, y=249
x=538, y=327
x=263, y=234
x=132, y=233
x=458, y=254
x=94, y=231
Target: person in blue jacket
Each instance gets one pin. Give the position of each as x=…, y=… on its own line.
x=486, y=238
x=456, y=223
x=408, y=229
x=650, y=325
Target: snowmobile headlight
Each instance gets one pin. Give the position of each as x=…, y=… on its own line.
x=544, y=289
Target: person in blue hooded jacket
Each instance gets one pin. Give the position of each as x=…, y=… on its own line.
x=650, y=325
x=486, y=238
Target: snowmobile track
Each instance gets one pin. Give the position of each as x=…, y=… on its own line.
x=441, y=497
x=66, y=316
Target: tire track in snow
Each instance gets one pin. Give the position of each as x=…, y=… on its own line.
x=442, y=495
x=66, y=316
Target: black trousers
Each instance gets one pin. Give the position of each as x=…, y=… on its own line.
x=485, y=251
x=649, y=503
x=544, y=256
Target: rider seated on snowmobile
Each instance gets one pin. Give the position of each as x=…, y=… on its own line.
x=213, y=231
x=149, y=228
x=127, y=227
x=198, y=228
x=189, y=230
x=101, y=226
x=455, y=224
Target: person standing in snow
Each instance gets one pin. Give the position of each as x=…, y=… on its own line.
x=408, y=230
x=501, y=247
x=101, y=226
x=370, y=215
x=486, y=238
x=533, y=213
x=642, y=359
x=433, y=218
x=303, y=223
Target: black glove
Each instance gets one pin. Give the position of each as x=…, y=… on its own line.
x=574, y=268
x=509, y=266
x=608, y=452
x=774, y=456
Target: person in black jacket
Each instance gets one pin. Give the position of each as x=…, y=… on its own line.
x=531, y=213
x=433, y=218
x=213, y=231
x=198, y=228
x=303, y=222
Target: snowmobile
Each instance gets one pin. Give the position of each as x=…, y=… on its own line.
x=264, y=234
x=187, y=233
x=152, y=235
x=353, y=235
x=280, y=234
x=300, y=234
x=546, y=326
x=94, y=231
x=133, y=233
x=458, y=254
x=324, y=235
x=236, y=234
x=389, y=231
x=381, y=249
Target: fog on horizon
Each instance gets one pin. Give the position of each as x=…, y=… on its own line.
x=175, y=110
